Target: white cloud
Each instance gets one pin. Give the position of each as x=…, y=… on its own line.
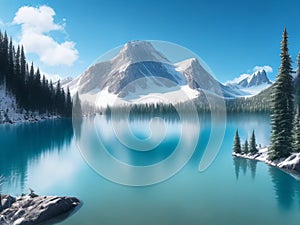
x=267, y=68
x=36, y=24
x=1, y=23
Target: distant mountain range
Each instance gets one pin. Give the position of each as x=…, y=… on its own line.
x=250, y=84
x=140, y=71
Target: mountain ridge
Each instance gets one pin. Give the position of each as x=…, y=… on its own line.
x=139, y=70
x=250, y=84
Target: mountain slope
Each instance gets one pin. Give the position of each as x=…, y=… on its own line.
x=138, y=71
x=197, y=77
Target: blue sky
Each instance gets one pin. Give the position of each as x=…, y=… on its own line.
x=231, y=36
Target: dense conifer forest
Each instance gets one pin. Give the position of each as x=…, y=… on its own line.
x=33, y=92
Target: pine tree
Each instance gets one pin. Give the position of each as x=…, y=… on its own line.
x=237, y=143
x=44, y=90
x=282, y=108
x=62, y=103
x=296, y=133
x=30, y=87
x=21, y=79
x=17, y=76
x=37, y=90
x=9, y=75
x=68, y=110
x=51, y=97
x=253, y=149
x=3, y=57
x=57, y=96
x=297, y=82
x=22, y=61
x=77, y=111
x=17, y=63
x=246, y=147
x=5, y=54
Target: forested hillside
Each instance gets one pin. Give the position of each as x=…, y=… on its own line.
x=30, y=89
x=259, y=103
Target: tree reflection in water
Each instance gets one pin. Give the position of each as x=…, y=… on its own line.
x=22, y=144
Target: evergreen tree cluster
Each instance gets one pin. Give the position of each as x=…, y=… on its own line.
x=32, y=91
x=245, y=148
x=257, y=104
x=147, y=110
x=165, y=109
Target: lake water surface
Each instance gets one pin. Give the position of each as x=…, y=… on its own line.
x=45, y=157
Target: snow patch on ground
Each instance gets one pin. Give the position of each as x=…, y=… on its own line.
x=10, y=113
x=290, y=164
x=153, y=94
x=293, y=159
x=8, y=107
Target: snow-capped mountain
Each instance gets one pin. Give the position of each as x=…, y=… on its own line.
x=250, y=84
x=140, y=73
x=197, y=77
x=249, y=80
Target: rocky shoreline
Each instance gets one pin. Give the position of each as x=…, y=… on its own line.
x=33, y=209
x=290, y=164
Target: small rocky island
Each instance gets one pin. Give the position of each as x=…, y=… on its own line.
x=33, y=209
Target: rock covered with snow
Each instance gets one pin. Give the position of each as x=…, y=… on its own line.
x=32, y=209
x=291, y=163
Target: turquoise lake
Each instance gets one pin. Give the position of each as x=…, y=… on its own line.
x=48, y=157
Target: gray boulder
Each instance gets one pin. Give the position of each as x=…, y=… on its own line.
x=28, y=210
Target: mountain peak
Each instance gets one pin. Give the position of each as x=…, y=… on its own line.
x=251, y=83
x=262, y=71
x=249, y=80
x=190, y=62
x=257, y=78
x=138, y=51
